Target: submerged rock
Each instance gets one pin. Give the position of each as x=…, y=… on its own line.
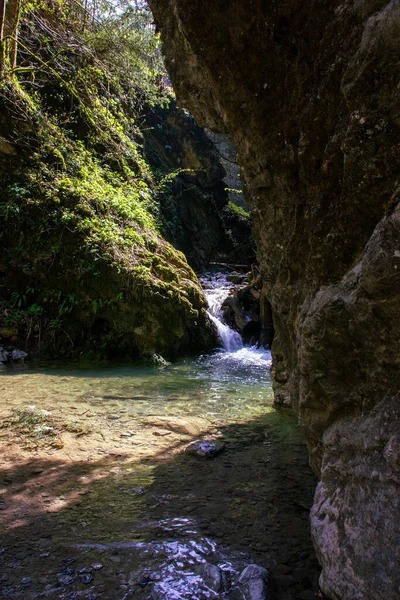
x=205, y=448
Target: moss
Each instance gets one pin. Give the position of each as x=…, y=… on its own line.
x=84, y=239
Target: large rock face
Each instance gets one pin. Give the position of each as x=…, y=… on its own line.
x=309, y=94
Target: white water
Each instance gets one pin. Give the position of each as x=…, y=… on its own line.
x=217, y=289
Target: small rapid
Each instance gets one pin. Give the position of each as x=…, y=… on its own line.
x=216, y=289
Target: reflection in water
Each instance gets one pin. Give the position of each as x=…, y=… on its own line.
x=160, y=521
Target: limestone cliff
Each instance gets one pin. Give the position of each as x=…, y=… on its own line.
x=309, y=94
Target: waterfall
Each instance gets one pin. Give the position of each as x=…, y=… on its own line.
x=216, y=289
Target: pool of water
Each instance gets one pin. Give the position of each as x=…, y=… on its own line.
x=110, y=504
x=227, y=384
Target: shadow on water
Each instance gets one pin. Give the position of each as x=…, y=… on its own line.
x=116, y=529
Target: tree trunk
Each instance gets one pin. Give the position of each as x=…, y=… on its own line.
x=12, y=14
x=2, y=22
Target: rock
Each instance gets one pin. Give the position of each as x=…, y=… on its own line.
x=205, y=448
x=66, y=579
x=213, y=576
x=318, y=138
x=8, y=332
x=236, y=278
x=3, y=356
x=161, y=433
x=253, y=582
x=193, y=426
x=18, y=355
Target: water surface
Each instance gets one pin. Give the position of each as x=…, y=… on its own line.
x=116, y=508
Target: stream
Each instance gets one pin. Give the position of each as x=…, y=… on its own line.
x=100, y=499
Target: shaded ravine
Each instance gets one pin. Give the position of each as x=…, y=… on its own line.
x=123, y=511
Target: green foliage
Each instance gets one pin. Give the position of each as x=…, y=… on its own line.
x=81, y=226
x=238, y=211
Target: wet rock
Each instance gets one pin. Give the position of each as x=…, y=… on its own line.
x=193, y=426
x=205, y=448
x=253, y=582
x=235, y=278
x=138, y=491
x=18, y=355
x=213, y=576
x=26, y=582
x=3, y=355
x=66, y=579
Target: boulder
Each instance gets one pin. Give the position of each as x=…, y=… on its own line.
x=213, y=576
x=18, y=355
x=253, y=582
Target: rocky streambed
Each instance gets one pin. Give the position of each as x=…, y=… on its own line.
x=100, y=498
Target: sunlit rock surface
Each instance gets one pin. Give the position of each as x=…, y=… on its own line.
x=309, y=95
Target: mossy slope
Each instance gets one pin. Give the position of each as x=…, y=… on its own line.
x=83, y=265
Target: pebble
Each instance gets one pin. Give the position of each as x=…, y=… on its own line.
x=66, y=579
x=137, y=491
x=205, y=448
x=26, y=582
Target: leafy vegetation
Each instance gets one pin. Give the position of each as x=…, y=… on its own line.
x=238, y=211
x=83, y=263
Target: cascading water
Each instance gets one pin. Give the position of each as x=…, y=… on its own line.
x=216, y=289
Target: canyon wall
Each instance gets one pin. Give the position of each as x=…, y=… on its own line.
x=309, y=94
